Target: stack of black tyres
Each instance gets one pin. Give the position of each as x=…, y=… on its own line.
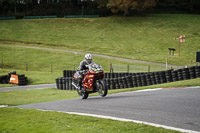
x=4, y=79
x=112, y=83
x=157, y=77
x=180, y=74
x=107, y=81
x=197, y=71
x=162, y=77
x=117, y=83
x=153, y=78
x=186, y=74
x=129, y=80
x=68, y=73
x=148, y=79
x=143, y=80
x=121, y=84
x=124, y=82
x=65, y=83
x=22, y=80
x=134, y=81
x=168, y=74
x=174, y=76
x=192, y=73
x=138, y=80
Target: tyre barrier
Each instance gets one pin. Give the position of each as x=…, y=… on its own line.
x=20, y=79
x=65, y=83
x=68, y=73
x=130, y=80
x=4, y=79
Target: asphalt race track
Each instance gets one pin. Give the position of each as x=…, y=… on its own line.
x=174, y=107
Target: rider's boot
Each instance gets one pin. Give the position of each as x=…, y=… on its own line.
x=79, y=84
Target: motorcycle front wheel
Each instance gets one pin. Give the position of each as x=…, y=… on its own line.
x=101, y=88
x=82, y=94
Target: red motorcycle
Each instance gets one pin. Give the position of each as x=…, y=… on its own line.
x=92, y=82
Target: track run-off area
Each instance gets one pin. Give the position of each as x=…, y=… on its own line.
x=97, y=55
x=171, y=108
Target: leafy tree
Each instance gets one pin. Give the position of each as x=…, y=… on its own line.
x=126, y=5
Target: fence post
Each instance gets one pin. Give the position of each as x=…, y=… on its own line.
x=166, y=63
x=27, y=66
x=111, y=68
x=74, y=67
x=149, y=68
x=75, y=60
x=51, y=67
x=2, y=64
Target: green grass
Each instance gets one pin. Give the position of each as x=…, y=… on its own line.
x=43, y=60
x=33, y=121
x=34, y=77
x=26, y=120
x=37, y=64
x=143, y=38
x=22, y=97
x=140, y=37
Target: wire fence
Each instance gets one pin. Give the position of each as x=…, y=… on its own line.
x=54, y=67
x=136, y=68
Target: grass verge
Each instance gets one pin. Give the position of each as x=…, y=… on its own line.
x=33, y=121
x=29, y=120
x=139, y=37
x=47, y=61
x=21, y=97
x=43, y=66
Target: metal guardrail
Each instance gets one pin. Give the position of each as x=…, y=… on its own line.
x=81, y=16
x=38, y=17
x=52, y=16
x=7, y=18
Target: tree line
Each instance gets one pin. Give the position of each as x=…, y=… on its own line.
x=94, y=7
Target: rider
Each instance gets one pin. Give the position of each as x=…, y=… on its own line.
x=83, y=67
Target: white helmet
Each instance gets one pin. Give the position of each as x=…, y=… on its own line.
x=88, y=58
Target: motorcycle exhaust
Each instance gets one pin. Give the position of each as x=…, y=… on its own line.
x=74, y=85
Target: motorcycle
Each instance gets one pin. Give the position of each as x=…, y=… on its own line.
x=92, y=82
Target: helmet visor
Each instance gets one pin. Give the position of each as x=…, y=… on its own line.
x=89, y=61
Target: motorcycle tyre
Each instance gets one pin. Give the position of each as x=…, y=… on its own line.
x=83, y=94
x=101, y=82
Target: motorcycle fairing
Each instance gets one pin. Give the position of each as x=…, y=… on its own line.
x=88, y=82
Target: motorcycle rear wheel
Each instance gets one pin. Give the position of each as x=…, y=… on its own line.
x=101, y=88
x=82, y=94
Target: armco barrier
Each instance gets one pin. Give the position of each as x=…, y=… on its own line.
x=81, y=16
x=38, y=17
x=52, y=16
x=7, y=18
x=130, y=80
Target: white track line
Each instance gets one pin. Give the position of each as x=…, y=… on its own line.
x=130, y=120
x=126, y=120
